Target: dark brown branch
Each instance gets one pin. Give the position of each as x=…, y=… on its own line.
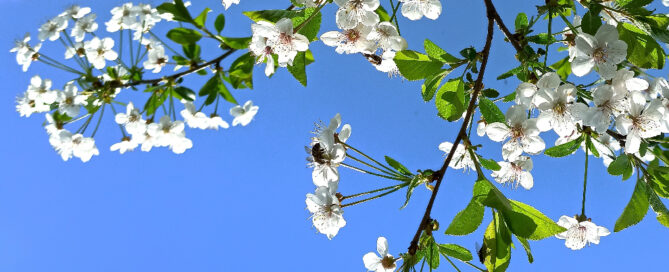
x=193, y=69
x=463, y=129
x=502, y=26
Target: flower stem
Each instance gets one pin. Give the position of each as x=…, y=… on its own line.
x=374, y=191
x=585, y=175
x=368, y=199
x=372, y=166
x=370, y=158
x=372, y=173
x=102, y=112
x=571, y=27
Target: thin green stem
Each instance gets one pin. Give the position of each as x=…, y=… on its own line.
x=394, y=16
x=368, y=199
x=132, y=51
x=164, y=44
x=83, y=127
x=566, y=21
x=102, y=112
x=452, y=264
x=585, y=176
x=372, y=166
x=119, y=125
x=313, y=14
x=371, y=173
x=373, y=191
x=474, y=266
x=370, y=158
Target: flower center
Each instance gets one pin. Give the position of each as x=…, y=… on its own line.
x=388, y=262
x=318, y=152
x=352, y=35
x=517, y=132
x=600, y=55
x=285, y=38
x=560, y=108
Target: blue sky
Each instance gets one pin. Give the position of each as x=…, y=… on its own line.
x=235, y=201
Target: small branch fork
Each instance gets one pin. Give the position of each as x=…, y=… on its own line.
x=439, y=175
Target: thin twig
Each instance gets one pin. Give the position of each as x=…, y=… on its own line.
x=470, y=112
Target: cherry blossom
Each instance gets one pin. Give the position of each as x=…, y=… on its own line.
x=523, y=134
x=603, y=52
x=351, y=13
x=416, y=9
x=580, y=234
x=327, y=214
x=384, y=262
x=243, y=114
x=516, y=172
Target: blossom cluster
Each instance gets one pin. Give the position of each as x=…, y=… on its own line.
x=326, y=153
x=98, y=84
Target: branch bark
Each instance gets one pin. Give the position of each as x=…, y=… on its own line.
x=413, y=247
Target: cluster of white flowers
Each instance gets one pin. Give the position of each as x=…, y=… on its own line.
x=580, y=233
x=279, y=39
x=65, y=107
x=325, y=155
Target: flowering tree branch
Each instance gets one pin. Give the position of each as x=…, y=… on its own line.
x=439, y=175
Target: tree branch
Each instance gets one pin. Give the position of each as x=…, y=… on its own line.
x=509, y=36
x=463, y=129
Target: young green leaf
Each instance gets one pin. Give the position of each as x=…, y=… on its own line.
x=398, y=166
x=636, y=209
x=621, y=166
x=430, y=85
x=272, y=16
x=661, y=211
x=456, y=251
x=201, y=19
x=488, y=195
x=565, y=149
x=527, y=222
x=562, y=68
x=298, y=69
x=184, y=36
x=642, y=49
x=177, y=9
x=435, y=52
x=450, y=100
x=489, y=164
x=237, y=43
x=591, y=20
x=467, y=220
x=497, y=241
x=219, y=24
x=491, y=113
x=416, y=66
x=311, y=28
x=526, y=246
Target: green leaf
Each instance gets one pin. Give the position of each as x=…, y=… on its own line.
x=398, y=166
x=497, y=243
x=185, y=93
x=542, y=38
x=416, y=66
x=177, y=9
x=201, y=19
x=224, y=92
x=591, y=20
x=241, y=71
x=430, y=85
x=642, y=49
x=237, y=43
x=383, y=14
x=636, y=209
x=430, y=249
x=489, y=164
x=659, y=180
x=415, y=181
x=526, y=246
x=450, y=100
x=456, y=251
x=467, y=220
x=272, y=16
x=219, y=24
x=488, y=195
x=298, y=69
x=184, y=36
x=311, y=28
x=155, y=101
x=521, y=21
x=626, y=4
x=565, y=149
x=527, y=222
x=210, y=89
x=621, y=166
x=562, y=68
x=661, y=211
x=490, y=93
x=435, y=52
x=491, y=113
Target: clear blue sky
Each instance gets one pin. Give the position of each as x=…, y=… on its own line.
x=235, y=201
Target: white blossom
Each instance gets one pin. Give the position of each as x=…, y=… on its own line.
x=579, y=234
x=308, y=3
x=624, y=82
x=569, y=35
x=52, y=28
x=228, y=3
x=608, y=104
x=523, y=134
x=461, y=158
x=69, y=145
x=40, y=91
x=604, y=52
x=559, y=109
x=281, y=39
x=354, y=12
x=76, y=12
x=123, y=17
x=327, y=214
x=416, y=9
x=387, y=64
x=70, y=101
x=132, y=120
x=126, y=144
x=171, y=134
x=243, y=114
x=77, y=50
x=99, y=51
x=327, y=152
x=387, y=38
x=643, y=121
x=526, y=92
x=197, y=119
x=350, y=41
x=156, y=60
x=384, y=262
x=515, y=172
x=25, y=54
x=26, y=106
x=84, y=25
x=260, y=48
